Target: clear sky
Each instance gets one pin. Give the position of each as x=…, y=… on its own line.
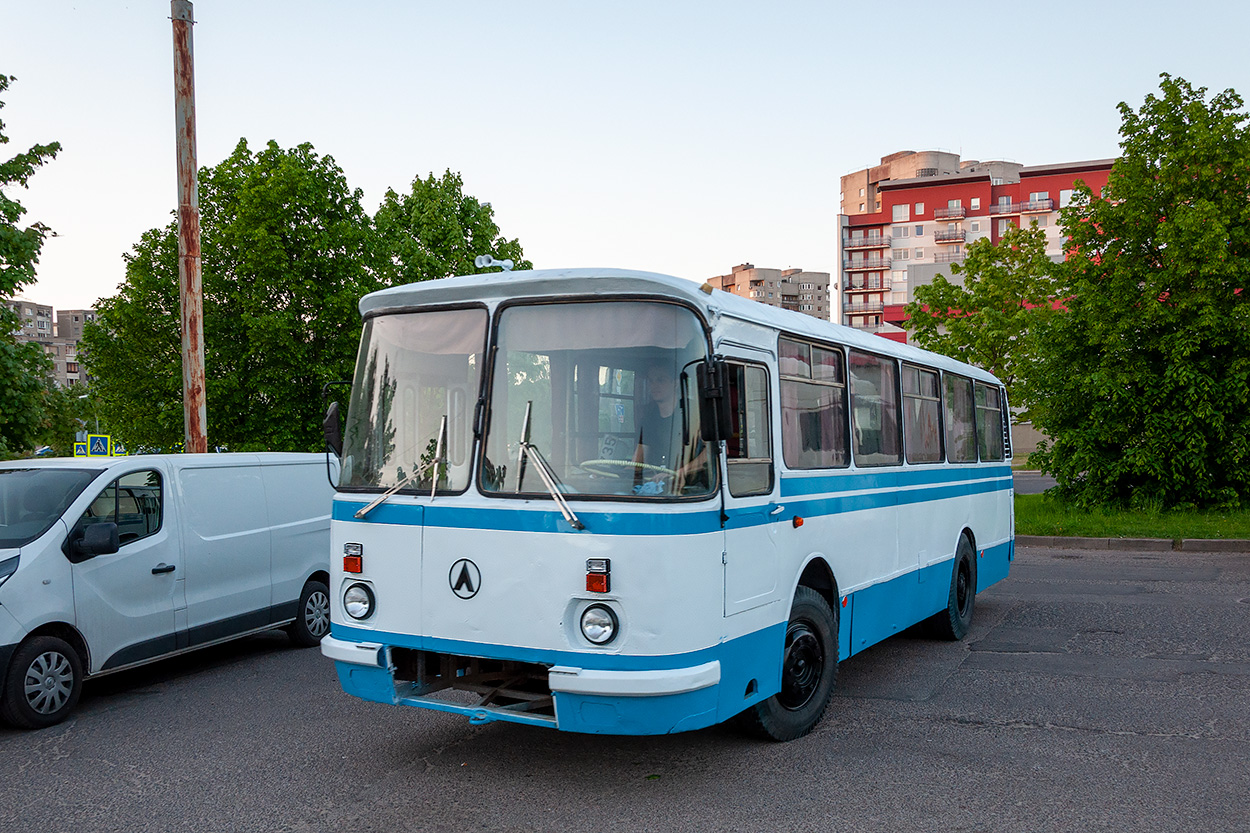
x=679, y=137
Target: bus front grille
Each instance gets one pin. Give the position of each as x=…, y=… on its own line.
x=492, y=684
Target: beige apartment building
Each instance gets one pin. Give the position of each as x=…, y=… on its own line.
x=59, y=336
x=792, y=289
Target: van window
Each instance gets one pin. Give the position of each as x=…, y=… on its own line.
x=133, y=502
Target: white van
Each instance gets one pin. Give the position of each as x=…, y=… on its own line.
x=111, y=563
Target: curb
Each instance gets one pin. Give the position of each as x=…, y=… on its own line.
x=1137, y=544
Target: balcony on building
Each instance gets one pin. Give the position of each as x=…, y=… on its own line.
x=956, y=213
x=948, y=257
x=859, y=309
x=1037, y=206
x=947, y=236
x=871, y=242
x=866, y=265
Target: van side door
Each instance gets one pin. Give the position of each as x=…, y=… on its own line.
x=124, y=602
x=226, y=539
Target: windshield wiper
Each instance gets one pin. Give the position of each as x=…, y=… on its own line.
x=545, y=473
x=420, y=470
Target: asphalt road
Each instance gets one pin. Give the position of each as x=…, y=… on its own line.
x=1096, y=691
x=1031, y=482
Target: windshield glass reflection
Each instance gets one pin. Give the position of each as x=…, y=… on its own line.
x=605, y=392
x=413, y=370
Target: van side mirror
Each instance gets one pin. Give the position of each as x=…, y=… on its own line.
x=713, y=381
x=95, y=539
x=332, y=427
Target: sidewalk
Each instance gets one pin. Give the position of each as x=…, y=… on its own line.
x=1062, y=542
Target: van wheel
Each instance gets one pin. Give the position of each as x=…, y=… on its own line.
x=312, y=621
x=953, y=623
x=809, y=669
x=43, y=683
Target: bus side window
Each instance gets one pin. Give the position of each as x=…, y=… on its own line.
x=921, y=415
x=748, y=448
x=989, y=423
x=961, y=444
x=875, y=410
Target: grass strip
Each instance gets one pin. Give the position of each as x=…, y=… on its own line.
x=1045, y=515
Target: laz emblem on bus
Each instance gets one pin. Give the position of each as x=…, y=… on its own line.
x=465, y=578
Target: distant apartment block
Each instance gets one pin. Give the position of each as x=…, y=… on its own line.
x=793, y=289
x=59, y=340
x=906, y=220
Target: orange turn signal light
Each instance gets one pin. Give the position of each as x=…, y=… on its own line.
x=353, y=564
x=598, y=575
x=798, y=522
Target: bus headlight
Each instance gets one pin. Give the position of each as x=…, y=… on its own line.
x=358, y=601
x=599, y=624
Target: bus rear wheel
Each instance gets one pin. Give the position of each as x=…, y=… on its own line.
x=809, y=670
x=953, y=623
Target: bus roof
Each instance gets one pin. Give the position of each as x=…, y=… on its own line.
x=546, y=283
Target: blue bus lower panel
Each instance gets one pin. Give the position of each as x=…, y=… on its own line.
x=750, y=666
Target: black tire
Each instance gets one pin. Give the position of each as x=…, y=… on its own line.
x=312, y=617
x=953, y=623
x=809, y=670
x=43, y=683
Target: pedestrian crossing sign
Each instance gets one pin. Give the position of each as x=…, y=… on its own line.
x=99, y=445
x=80, y=449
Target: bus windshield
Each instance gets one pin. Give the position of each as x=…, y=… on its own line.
x=413, y=370
x=605, y=393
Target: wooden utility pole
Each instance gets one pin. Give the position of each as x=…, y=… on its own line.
x=191, y=291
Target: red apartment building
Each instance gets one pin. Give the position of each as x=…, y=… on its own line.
x=902, y=231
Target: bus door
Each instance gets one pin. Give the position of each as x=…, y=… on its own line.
x=753, y=516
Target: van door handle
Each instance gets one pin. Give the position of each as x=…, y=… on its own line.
x=163, y=568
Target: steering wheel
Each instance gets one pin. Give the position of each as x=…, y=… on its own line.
x=608, y=468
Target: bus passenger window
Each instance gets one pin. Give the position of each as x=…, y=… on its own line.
x=875, y=410
x=813, y=406
x=961, y=444
x=921, y=415
x=989, y=423
x=749, y=452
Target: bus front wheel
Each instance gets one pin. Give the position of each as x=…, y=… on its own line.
x=809, y=669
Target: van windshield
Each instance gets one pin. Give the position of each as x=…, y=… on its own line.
x=31, y=500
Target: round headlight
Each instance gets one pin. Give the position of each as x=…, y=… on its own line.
x=599, y=624
x=358, y=601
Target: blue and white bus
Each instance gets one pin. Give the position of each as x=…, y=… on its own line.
x=617, y=502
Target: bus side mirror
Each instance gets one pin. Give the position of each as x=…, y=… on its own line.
x=713, y=381
x=333, y=429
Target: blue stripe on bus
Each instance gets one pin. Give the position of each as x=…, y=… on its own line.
x=948, y=483
x=794, y=486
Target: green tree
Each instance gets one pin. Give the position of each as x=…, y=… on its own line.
x=25, y=380
x=1008, y=291
x=287, y=252
x=1144, y=382
x=436, y=231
